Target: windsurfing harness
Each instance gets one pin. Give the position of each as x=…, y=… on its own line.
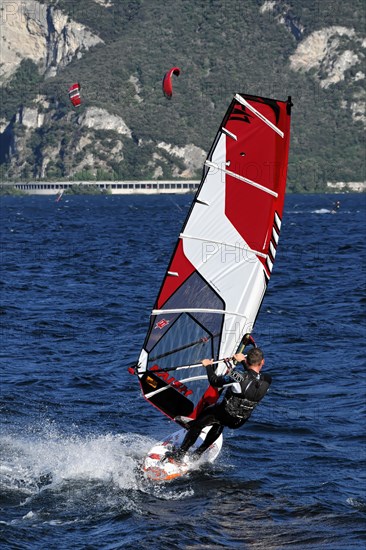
x=244, y=394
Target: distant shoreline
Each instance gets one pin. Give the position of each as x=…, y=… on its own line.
x=143, y=187
x=135, y=187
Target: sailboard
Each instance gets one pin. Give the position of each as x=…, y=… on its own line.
x=157, y=468
x=218, y=274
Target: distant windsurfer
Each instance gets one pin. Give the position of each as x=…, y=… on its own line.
x=243, y=394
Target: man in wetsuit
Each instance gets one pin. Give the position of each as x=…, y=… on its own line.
x=242, y=395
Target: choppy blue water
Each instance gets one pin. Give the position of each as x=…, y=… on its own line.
x=78, y=280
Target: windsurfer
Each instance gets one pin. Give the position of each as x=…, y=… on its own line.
x=241, y=397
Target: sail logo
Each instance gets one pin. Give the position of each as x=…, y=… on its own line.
x=161, y=324
x=171, y=381
x=241, y=113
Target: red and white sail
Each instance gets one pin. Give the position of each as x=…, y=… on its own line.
x=222, y=262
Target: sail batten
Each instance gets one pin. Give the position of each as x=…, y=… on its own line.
x=223, y=259
x=242, y=178
x=194, y=310
x=224, y=244
x=259, y=115
x=230, y=134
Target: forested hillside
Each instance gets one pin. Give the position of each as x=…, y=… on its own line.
x=126, y=128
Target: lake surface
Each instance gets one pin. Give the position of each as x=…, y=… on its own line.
x=78, y=281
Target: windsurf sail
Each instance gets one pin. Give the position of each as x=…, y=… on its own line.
x=59, y=195
x=219, y=271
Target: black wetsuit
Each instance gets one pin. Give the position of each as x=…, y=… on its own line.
x=233, y=411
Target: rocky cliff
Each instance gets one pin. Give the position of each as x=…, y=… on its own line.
x=84, y=146
x=330, y=55
x=42, y=33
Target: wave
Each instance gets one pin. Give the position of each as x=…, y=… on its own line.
x=53, y=458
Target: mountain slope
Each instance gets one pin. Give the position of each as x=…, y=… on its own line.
x=126, y=128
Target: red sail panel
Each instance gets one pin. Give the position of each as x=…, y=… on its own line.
x=261, y=155
x=178, y=271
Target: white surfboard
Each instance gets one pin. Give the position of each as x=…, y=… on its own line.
x=156, y=469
